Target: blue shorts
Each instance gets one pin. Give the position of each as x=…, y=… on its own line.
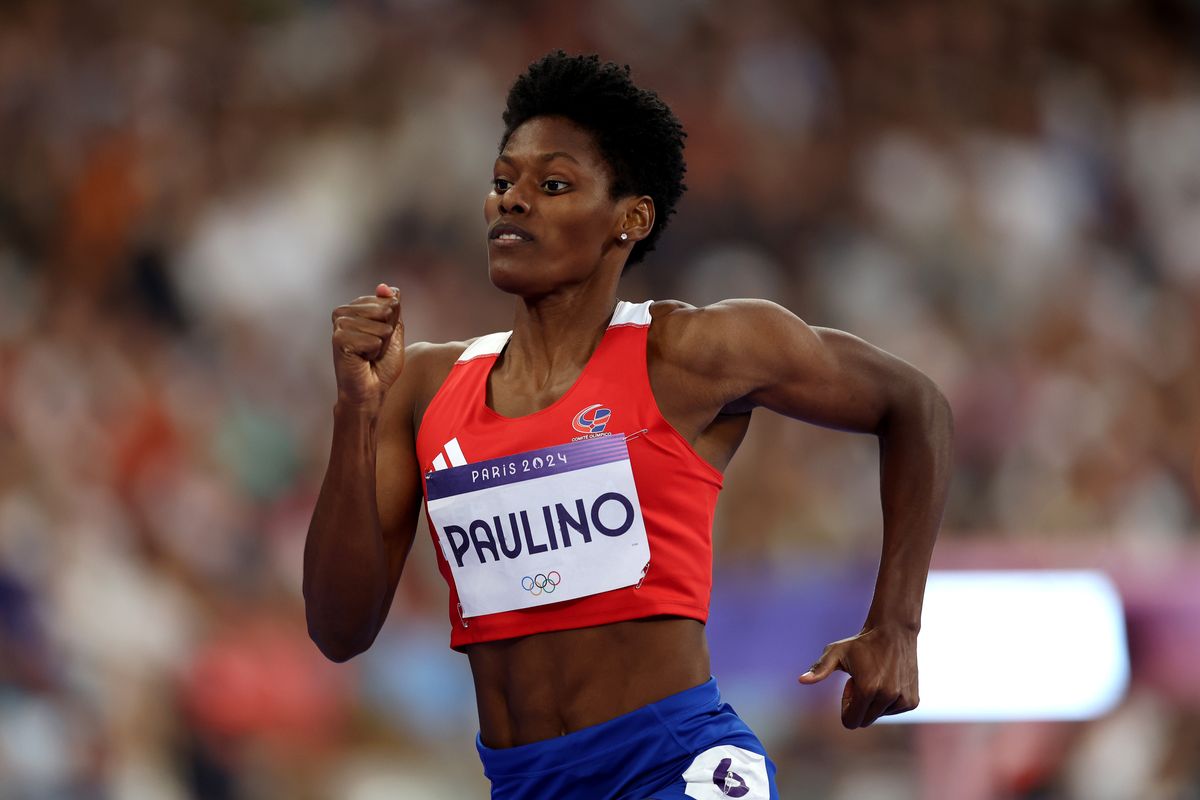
x=688, y=745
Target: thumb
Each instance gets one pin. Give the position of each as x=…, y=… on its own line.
x=826, y=664
x=390, y=362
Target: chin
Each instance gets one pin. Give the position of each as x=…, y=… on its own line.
x=521, y=277
x=515, y=278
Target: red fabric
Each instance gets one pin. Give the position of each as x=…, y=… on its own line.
x=677, y=489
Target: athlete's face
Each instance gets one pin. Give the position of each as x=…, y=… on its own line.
x=552, y=184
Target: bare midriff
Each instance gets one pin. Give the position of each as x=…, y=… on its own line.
x=550, y=684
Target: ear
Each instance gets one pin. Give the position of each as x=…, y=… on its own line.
x=637, y=220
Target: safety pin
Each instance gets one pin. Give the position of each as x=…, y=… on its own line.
x=645, y=569
x=461, y=618
x=636, y=434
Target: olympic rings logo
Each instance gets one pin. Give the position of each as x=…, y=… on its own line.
x=541, y=583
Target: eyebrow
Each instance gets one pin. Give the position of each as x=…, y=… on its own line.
x=544, y=157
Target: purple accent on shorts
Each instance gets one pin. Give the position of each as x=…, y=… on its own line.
x=525, y=466
x=730, y=783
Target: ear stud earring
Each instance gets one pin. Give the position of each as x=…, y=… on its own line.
x=624, y=237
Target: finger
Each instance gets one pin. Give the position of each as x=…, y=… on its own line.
x=878, y=707
x=901, y=705
x=829, y=661
x=854, y=705
x=388, y=297
x=370, y=308
x=395, y=306
x=391, y=358
x=363, y=325
x=358, y=344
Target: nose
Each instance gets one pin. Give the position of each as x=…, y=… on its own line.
x=514, y=201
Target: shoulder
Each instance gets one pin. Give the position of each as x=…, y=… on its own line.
x=722, y=352
x=745, y=312
x=426, y=366
x=427, y=356
x=709, y=337
x=431, y=362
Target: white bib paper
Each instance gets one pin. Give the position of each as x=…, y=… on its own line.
x=540, y=527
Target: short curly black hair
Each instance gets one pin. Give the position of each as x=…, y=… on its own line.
x=638, y=136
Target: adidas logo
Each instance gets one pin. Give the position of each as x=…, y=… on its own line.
x=451, y=451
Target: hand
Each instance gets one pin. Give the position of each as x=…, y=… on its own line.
x=882, y=664
x=368, y=346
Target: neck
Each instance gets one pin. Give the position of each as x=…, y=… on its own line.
x=560, y=331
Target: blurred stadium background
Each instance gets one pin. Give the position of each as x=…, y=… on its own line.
x=1006, y=194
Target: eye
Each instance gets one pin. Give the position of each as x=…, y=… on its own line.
x=500, y=185
x=555, y=186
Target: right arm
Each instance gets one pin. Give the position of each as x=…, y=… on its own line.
x=365, y=518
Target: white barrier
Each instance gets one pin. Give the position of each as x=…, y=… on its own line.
x=1019, y=645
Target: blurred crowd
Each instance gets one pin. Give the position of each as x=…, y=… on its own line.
x=1006, y=194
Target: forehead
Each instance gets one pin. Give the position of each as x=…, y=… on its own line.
x=540, y=135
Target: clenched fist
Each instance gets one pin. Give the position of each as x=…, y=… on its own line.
x=368, y=346
x=882, y=664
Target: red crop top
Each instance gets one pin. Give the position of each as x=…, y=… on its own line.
x=675, y=488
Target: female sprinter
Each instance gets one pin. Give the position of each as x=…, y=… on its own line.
x=570, y=468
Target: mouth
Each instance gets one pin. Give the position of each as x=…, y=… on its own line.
x=508, y=234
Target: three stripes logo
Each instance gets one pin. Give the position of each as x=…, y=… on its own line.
x=451, y=451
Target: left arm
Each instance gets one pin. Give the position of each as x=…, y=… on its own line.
x=774, y=360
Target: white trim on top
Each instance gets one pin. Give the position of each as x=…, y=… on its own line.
x=491, y=344
x=631, y=313
x=487, y=345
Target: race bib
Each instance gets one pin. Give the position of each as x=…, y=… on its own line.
x=540, y=527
